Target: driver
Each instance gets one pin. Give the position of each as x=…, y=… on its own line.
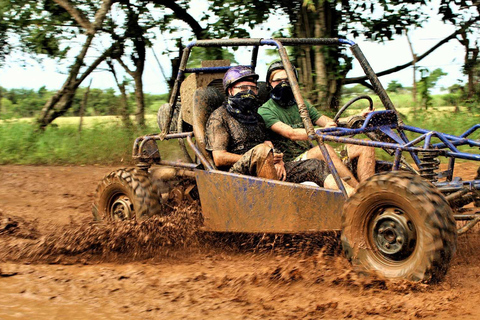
x=281, y=115
x=237, y=137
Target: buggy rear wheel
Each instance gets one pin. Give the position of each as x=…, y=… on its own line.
x=126, y=194
x=400, y=226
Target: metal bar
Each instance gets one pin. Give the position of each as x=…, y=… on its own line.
x=175, y=92
x=261, y=41
x=377, y=86
x=179, y=135
x=415, y=141
x=459, y=142
x=199, y=154
x=428, y=138
x=398, y=156
x=453, y=186
x=225, y=43
x=208, y=69
x=470, y=131
x=449, y=188
x=414, y=156
x=456, y=195
x=468, y=226
x=331, y=167
x=451, y=165
x=314, y=41
x=465, y=217
x=139, y=141
x=213, y=69
x=140, y=147
x=374, y=143
x=463, y=155
x=179, y=164
x=442, y=137
x=287, y=65
x=424, y=131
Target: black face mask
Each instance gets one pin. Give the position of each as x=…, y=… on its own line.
x=243, y=106
x=282, y=94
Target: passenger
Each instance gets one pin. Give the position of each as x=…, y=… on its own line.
x=281, y=115
x=237, y=137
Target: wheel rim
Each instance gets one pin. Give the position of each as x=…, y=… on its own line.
x=121, y=208
x=393, y=234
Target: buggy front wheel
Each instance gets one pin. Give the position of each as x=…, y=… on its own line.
x=400, y=226
x=126, y=194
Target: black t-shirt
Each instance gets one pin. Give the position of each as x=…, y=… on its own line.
x=224, y=132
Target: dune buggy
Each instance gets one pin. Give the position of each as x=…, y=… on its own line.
x=400, y=223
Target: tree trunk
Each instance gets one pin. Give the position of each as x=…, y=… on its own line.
x=124, y=106
x=472, y=63
x=321, y=77
x=139, y=99
x=305, y=57
x=414, y=65
x=83, y=106
x=123, y=99
x=59, y=103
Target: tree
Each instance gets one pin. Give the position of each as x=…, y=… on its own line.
x=394, y=86
x=428, y=81
x=323, y=69
x=465, y=14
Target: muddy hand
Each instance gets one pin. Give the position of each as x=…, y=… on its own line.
x=367, y=111
x=277, y=156
x=330, y=124
x=281, y=172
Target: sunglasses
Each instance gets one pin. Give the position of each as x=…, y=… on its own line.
x=246, y=88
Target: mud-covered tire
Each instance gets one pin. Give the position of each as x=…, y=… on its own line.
x=126, y=194
x=400, y=226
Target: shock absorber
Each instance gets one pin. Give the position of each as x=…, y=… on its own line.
x=429, y=164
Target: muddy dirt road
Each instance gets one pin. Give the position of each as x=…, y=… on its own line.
x=56, y=264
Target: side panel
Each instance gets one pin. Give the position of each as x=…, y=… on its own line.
x=237, y=203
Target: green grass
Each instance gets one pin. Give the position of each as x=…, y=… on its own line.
x=97, y=143
x=103, y=140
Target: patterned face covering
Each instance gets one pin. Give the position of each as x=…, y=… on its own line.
x=243, y=106
x=282, y=94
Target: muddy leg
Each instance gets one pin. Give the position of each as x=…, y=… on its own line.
x=330, y=183
x=343, y=171
x=257, y=161
x=366, y=160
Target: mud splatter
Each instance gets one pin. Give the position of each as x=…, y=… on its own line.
x=167, y=268
x=105, y=241
x=17, y=227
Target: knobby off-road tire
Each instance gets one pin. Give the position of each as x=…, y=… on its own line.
x=400, y=226
x=126, y=194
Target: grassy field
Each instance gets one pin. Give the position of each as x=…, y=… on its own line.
x=103, y=140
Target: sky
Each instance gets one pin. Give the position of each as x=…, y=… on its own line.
x=33, y=75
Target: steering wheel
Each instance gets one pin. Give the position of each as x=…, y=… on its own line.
x=349, y=103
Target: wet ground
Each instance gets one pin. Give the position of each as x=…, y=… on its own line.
x=56, y=264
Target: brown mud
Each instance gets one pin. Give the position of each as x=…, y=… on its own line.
x=55, y=263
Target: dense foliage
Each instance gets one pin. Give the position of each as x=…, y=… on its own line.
x=21, y=103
